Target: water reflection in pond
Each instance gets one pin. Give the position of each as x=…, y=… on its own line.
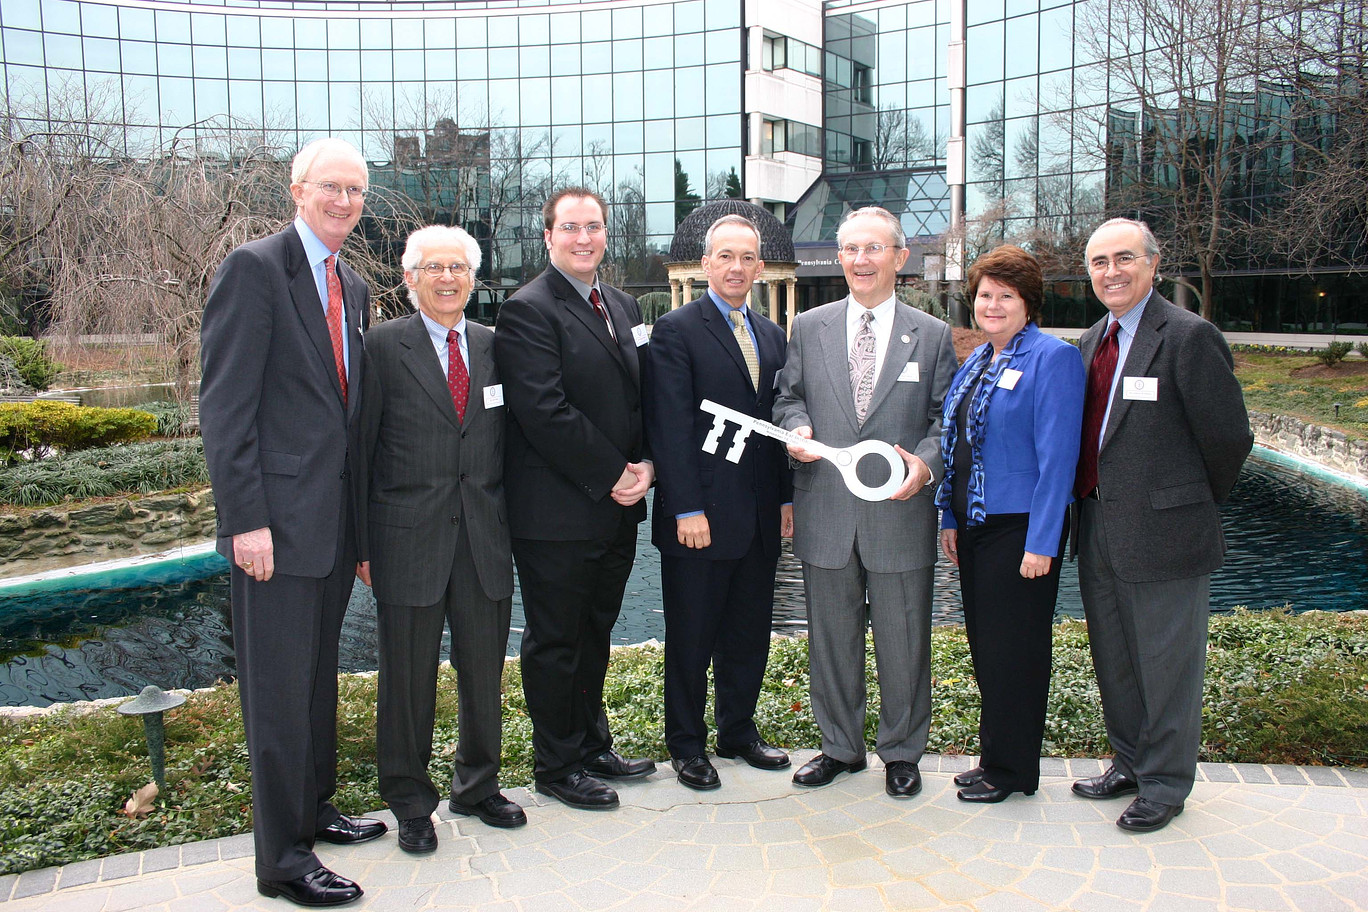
x=1293, y=538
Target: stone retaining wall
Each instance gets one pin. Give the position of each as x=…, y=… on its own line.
x=52, y=537
x=1309, y=441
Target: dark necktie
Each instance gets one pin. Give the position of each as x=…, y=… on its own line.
x=1095, y=409
x=458, y=378
x=335, y=322
x=602, y=311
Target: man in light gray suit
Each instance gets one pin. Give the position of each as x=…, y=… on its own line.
x=1165, y=433
x=868, y=368
x=438, y=545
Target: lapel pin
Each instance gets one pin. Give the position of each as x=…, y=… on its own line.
x=906, y=338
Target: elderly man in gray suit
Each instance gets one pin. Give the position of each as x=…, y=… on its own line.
x=1165, y=433
x=868, y=368
x=439, y=551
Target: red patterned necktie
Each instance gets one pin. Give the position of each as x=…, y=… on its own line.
x=1095, y=409
x=335, y=322
x=602, y=311
x=458, y=379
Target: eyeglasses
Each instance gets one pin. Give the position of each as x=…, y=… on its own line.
x=1120, y=261
x=333, y=191
x=869, y=250
x=570, y=228
x=435, y=270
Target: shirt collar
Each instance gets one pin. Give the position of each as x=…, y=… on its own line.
x=883, y=313
x=726, y=308
x=1131, y=318
x=579, y=286
x=438, y=332
x=315, y=250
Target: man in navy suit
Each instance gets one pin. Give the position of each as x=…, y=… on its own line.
x=717, y=523
x=280, y=403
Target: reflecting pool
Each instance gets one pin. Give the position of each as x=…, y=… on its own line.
x=1294, y=538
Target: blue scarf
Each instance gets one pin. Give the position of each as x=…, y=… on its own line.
x=980, y=363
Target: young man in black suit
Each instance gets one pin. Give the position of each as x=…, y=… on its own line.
x=279, y=408
x=716, y=522
x=567, y=348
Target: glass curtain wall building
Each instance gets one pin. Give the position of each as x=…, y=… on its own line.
x=474, y=109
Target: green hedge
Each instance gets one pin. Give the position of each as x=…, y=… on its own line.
x=41, y=427
x=31, y=358
x=131, y=468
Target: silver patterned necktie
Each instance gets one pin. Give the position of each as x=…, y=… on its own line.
x=743, y=339
x=862, y=365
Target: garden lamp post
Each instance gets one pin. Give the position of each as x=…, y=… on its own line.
x=150, y=704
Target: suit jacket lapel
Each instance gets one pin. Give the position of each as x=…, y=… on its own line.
x=422, y=362
x=898, y=354
x=721, y=330
x=481, y=368
x=583, y=312
x=836, y=355
x=353, y=291
x=626, y=343
x=304, y=293
x=1143, y=348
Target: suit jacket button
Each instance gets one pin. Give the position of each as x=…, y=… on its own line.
x=464, y=476
x=455, y=520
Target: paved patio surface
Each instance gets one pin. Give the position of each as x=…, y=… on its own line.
x=1252, y=837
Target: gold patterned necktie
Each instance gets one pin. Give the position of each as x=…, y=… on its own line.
x=743, y=339
x=862, y=366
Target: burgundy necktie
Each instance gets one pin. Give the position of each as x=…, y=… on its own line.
x=458, y=379
x=602, y=311
x=1095, y=409
x=335, y=322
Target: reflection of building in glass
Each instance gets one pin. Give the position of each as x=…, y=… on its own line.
x=472, y=111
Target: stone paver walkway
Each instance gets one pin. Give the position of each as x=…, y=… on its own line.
x=1252, y=837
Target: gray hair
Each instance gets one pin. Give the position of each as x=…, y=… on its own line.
x=895, y=227
x=304, y=159
x=1146, y=236
x=732, y=219
x=433, y=236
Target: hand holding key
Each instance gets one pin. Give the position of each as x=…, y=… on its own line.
x=846, y=459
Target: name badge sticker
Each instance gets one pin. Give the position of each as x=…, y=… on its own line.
x=493, y=396
x=1141, y=389
x=1009, y=378
x=911, y=373
x=639, y=335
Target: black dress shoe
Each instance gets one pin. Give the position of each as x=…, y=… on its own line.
x=697, y=773
x=496, y=811
x=1145, y=816
x=612, y=765
x=821, y=769
x=417, y=835
x=983, y=792
x=1108, y=785
x=969, y=777
x=580, y=790
x=758, y=754
x=352, y=830
x=902, y=779
x=320, y=887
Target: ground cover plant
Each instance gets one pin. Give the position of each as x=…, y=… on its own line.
x=157, y=465
x=1279, y=689
x=1301, y=385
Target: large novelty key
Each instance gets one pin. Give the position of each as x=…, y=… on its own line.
x=846, y=459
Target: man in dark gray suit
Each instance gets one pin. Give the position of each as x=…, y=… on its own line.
x=439, y=553
x=1165, y=433
x=868, y=368
x=279, y=406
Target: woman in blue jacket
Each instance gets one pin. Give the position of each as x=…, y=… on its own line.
x=1010, y=444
